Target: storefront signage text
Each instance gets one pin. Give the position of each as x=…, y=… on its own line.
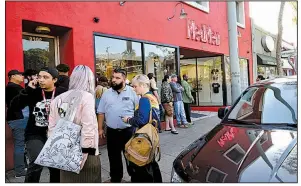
x=227, y=136
x=202, y=33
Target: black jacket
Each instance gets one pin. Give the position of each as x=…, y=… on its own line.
x=11, y=91
x=38, y=118
x=63, y=81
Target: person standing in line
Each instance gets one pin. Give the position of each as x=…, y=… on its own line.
x=148, y=103
x=37, y=96
x=178, y=102
x=16, y=120
x=81, y=80
x=101, y=86
x=187, y=98
x=63, y=79
x=119, y=100
x=154, y=90
x=167, y=99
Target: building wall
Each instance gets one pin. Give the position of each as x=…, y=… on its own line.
x=139, y=20
x=259, y=33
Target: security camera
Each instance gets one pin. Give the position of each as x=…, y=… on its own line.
x=96, y=19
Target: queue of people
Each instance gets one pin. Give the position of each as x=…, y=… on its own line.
x=113, y=110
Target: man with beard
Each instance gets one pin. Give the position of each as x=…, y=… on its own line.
x=37, y=96
x=119, y=101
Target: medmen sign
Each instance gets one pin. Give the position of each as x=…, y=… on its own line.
x=202, y=33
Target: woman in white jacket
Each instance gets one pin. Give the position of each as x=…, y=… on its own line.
x=81, y=80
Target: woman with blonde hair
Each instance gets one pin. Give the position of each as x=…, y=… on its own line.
x=148, y=103
x=81, y=82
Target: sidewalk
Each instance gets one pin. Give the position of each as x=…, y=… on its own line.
x=171, y=145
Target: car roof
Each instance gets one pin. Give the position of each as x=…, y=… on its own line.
x=277, y=80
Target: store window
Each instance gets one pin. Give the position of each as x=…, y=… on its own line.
x=188, y=67
x=244, y=76
x=267, y=71
x=210, y=79
x=39, y=51
x=112, y=53
x=159, y=60
x=202, y=5
x=240, y=13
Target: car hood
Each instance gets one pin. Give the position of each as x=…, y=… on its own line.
x=233, y=153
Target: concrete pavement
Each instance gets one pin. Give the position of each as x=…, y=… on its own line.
x=171, y=145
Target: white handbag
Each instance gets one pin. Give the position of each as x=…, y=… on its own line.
x=62, y=150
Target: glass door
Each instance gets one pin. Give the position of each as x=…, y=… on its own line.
x=188, y=67
x=39, y=51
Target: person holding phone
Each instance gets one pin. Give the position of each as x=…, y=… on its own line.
x=37, y=96
x=148, y=109
x=120, y=100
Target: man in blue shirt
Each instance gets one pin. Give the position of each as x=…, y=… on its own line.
x=117, y=102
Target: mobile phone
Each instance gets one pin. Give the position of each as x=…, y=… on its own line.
x=37, y=85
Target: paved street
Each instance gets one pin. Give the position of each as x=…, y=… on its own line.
x=171, y=146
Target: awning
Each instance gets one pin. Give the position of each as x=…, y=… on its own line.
x=266, y=60
x=285, y=64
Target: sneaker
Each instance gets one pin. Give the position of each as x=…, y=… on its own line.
x=21, y=174
x=17, y=176
x=191, y=123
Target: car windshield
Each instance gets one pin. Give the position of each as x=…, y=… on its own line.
x=268, y=104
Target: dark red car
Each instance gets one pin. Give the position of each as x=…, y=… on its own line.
x=256, y=140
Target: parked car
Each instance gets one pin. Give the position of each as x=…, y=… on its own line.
x=256, y=140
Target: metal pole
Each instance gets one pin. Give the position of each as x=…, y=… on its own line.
x=233, y=48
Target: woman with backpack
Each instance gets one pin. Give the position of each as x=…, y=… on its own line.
x=81, y=83
x=147, y=112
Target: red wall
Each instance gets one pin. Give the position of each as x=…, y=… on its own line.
x=139, y=20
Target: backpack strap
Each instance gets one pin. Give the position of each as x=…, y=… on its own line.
x=151, y=111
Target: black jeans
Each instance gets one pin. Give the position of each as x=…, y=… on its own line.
x=33, y=148
x=116, y=140
x=146, y=174
x=187, y=109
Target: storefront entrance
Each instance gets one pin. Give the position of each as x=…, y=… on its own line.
x=206, y=78
x=210, y=77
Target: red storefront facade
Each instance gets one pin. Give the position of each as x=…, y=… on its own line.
x=75, y=29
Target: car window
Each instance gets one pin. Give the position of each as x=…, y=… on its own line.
x=275, y=111
x=268, y=104
x=245, y=105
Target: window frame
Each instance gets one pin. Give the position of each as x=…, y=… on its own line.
x=242, y=14
x=56, y=45
x=199, y=6
x=237, y=146
x=217, y=170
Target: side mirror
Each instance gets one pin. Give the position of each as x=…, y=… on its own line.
x=222, y=112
